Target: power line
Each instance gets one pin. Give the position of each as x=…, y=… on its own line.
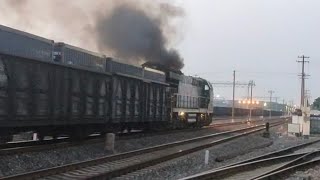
x=251, y=86
x=248, y=72
x=267, y=72
x=228, y=83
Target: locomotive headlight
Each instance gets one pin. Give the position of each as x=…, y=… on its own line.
x=181, y=113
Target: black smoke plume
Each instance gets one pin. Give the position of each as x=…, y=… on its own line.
x=131, y=33
x=135, y=31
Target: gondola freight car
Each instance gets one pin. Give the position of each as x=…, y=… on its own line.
x=55, y=88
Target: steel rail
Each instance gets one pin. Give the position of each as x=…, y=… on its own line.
x=36, y=146
x=298, y=161
x=277, y=174
x=225, y=171
x=134, y=160
x=245, y=121
x=284, y=151
x=236, y=171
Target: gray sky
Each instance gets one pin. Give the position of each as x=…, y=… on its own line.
x=259, y=39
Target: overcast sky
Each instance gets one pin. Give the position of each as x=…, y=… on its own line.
x=259, y=39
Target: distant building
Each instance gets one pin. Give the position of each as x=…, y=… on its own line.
x=243, y=104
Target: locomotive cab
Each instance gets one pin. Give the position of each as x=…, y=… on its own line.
x=193, y=102
x=189, y=98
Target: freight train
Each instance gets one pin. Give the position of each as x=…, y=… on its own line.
x=241, y=112
x=53, y=89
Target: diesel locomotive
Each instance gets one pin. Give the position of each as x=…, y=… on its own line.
x=54, y=88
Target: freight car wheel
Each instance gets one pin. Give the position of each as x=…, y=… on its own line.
x=2, y=140
x=122, y=129
x=55, y=137
x=5, y=139
x=40, y=136
x=129, y=129
x=79, y=133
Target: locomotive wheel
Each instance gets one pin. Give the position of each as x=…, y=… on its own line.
x=182, y=124
x=197, y=125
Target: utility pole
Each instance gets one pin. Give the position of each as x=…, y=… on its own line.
x=307, y=96
x=276, y=105
x=270, y=92
x=234, y=84
x=291, y=102
x=250, y=104
x=233, y=93
x=283, y=107
x=303, y=77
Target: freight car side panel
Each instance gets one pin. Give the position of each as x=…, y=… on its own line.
x=126, y=100
x=137, y=101
x=3, y=89
x=33, y=93
x=117, y=67
x=154, y=76
x=18, y=43
x=24, y=90
x=154, y=102
x=80, y=97
x=68, y=54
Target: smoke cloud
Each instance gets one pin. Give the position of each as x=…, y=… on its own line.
x=135, y=31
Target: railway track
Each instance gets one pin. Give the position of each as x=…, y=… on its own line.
x=278, y=173
x=245, y=121
x=120, y=164
x=35, y=146
x=268, y=166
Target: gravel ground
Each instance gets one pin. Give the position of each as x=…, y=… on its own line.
x=21, y=163
x=234, y=151
x=313, y=173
